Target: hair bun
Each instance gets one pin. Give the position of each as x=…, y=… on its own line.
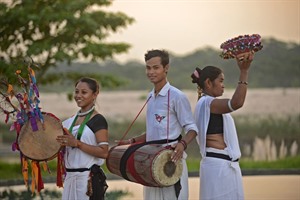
x=196, y=75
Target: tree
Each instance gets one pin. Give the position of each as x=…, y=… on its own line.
x=53, y=31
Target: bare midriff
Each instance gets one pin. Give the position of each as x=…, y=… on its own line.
x=215, y=141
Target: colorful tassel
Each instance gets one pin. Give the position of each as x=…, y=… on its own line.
x=24, y=164
x=60, y=169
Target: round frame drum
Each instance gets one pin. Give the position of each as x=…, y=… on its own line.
x=149, y=165
x=41, y=145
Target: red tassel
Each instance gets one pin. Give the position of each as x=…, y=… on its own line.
x=7, y=118
x=24, y=164
x=60, y=169
x=17, y=127
x=40, y=180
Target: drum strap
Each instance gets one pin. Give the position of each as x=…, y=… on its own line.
x=82, y=125
x=134, y=120
x=134, y=147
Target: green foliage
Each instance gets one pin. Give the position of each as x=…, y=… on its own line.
x=116, y=195
x=27, y=195
x=10, y=170
x=278, y=129
x=248, y=128
x=52, y=194
x=287, y=163
x=118, y=129
x=57, y=31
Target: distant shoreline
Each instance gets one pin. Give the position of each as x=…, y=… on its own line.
x=275, y=102
x=120, y=105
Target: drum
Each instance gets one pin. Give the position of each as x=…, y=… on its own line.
x=149, y=165
x=41, y=145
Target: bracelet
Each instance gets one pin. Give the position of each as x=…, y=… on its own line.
x=184, y=144
x=243, y=82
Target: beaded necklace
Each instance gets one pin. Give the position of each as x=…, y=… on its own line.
x=86, y=119
x=79, y=113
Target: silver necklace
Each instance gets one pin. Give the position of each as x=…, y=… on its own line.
x=80, y=114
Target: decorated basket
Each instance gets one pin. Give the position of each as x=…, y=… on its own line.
x=240, y=44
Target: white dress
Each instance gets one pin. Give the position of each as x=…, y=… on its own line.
x=75, y=183
x=219, y=179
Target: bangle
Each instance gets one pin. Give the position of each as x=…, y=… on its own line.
x=183, y=143
x=243, y=82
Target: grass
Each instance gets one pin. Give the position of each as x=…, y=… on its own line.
x=9, y=171
x=287, y=163
x=52, y=194
x=279, y=130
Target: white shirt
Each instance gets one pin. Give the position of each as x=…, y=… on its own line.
x=158, y=124
x=74, y=157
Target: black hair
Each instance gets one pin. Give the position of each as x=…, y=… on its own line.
x=208, y=72
x=164, y=56
x=92, y=83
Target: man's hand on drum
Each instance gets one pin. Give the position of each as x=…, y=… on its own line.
x=178, y=152
x=123, y=142
x=67, y=139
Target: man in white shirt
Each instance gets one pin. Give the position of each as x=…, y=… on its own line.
x=168, y=113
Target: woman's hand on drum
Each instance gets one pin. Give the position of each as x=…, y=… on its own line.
x=67, y=140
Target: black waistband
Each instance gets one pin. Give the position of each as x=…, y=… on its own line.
x=77, y=170
x=219, y=155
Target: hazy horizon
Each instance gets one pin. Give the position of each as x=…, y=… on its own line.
x=182, y=27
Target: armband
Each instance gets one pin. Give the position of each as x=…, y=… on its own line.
x=229, y=105
x=102, y=143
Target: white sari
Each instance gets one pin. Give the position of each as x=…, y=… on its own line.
x=219, y=179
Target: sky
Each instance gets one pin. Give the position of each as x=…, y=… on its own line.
x=183, y=26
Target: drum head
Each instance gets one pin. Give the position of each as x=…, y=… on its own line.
x=166, y=172
x=41, y=145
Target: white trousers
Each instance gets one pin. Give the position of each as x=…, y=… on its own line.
x=220, y=179
x=168, y=193
x=75, y=186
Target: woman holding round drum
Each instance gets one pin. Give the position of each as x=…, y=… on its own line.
x=86, y=145
x=220, y=173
